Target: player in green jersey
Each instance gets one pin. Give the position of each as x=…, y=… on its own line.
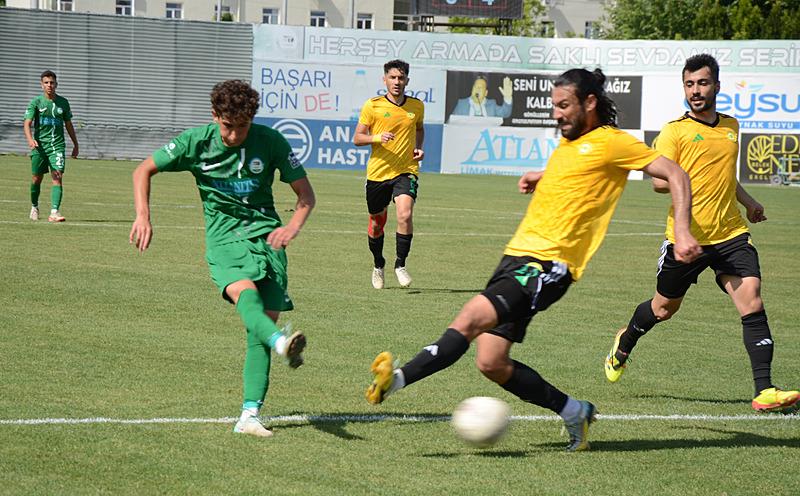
x=50, y=114
x=234, y=163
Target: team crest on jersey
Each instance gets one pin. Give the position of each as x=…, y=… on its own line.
x=256, y=166
x=410, y=115
x=59, y=110
x=584, y=148
x=293, y=161
x=731, y=136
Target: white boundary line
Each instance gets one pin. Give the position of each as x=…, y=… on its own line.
x=312, y=419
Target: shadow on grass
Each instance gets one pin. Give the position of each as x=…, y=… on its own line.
x=336, y=423
x=439, y=290
x=736, y=401
x=734, y=439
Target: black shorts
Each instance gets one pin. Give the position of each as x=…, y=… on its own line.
x=520, y=288
x=381, y=193
x=735, y=257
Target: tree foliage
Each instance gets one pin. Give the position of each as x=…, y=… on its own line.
x=701, y=19
x=531, y=23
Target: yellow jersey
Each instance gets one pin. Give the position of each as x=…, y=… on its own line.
x=707, y=152
x=389, y=160
x=568, y=216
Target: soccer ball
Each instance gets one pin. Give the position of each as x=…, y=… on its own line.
x=481, y=421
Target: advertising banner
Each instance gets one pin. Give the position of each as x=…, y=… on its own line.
x=467, y=51
x=523, y=100
x=496, y=150
x=759, y=103
x=328, y=144
x=765, y=157
x=336, y=92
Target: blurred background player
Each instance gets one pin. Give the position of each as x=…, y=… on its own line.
x=392, y=125
x=566, y=220
x=50, y=114
x=705, y=143
x=234, y=163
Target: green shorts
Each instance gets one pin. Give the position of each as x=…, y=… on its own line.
x=254, y=260
x=43, y=162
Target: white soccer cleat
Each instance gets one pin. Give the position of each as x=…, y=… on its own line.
x=377, y=278
x=403, y=277
x=253, y=426
x=34, y=213
x=55, y=216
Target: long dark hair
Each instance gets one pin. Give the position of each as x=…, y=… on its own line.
x=591, y=83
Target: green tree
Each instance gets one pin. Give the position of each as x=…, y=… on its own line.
x=701, y=20
x=531, y=23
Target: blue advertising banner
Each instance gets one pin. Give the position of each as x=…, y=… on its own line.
x=328, y=144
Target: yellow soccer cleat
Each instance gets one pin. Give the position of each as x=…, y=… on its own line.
x=613, y=367
x=383, y=370
x=776, y=400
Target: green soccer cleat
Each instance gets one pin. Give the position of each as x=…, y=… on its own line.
x=383, y=370
x=776, y=400
x=613, y=367
x=579, y=430
x=253, y=426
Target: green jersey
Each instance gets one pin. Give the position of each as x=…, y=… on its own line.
x=235, y=183
x=48, y=118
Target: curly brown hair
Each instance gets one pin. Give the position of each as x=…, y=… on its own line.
x=235, y=100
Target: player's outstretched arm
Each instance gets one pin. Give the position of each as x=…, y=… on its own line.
x=755, y=211
x=306, y=200
x=686, y=247
x=142, y=231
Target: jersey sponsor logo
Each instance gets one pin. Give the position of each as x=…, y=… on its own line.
x=697, y=138
x=387, y=114
x=256, y=166
x=43, y=109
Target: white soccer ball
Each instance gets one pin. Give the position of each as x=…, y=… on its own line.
x=481, y=421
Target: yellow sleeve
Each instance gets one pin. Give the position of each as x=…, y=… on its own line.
x=421, y=113
x=627, y=152
x=366, y=116
x=667, y=144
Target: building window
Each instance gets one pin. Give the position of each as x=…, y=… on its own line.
x=124, y=7
x=591, y=29
x=225, y=13
x=270, y=16
x=174, y=10
x=66, y=6
x=364, y=21
x=318, y=18
x=548, y=29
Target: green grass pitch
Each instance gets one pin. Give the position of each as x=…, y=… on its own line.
x=91, y=329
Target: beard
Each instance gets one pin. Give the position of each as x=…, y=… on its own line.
x=708, y=104
x=576, y=127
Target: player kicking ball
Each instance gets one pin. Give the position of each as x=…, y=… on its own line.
x=564, y=224
x=234, y=163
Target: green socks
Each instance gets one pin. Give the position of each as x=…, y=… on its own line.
x=55, y=196
x=35, y=190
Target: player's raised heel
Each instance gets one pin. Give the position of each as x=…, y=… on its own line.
x=253, y=426
x=776, y=400
x=383, y=370
x=613, y=367
x=579, y=430
x=295, y=344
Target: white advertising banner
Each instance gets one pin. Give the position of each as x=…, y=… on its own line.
x=760, y=103
x=303, y=91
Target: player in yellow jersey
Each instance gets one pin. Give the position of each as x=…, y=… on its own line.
x=705, y=143
x=563, y=226
x=392, y=125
